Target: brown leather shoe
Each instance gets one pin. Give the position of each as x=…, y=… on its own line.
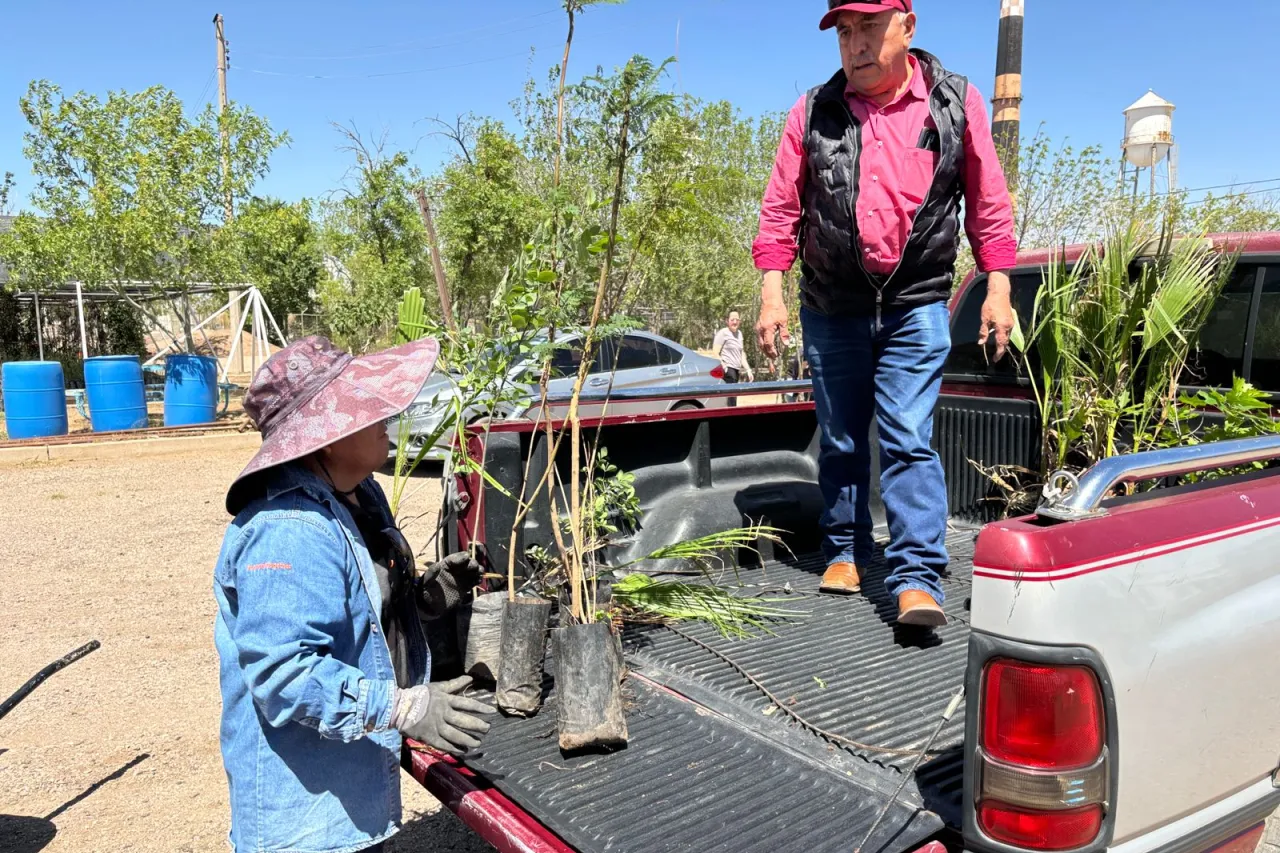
x=919, y=608
x=843, y=578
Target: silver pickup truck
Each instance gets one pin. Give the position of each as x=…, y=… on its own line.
x=1117, y=657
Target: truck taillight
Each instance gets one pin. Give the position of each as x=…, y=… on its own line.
x=1041, y=716
x=1067, y=830
x=1042, y=758
x=717, y=372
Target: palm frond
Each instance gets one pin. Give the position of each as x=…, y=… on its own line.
x=705, y=549
x=1187, y=282
x=643, y=598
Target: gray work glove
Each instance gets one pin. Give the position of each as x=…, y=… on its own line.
x=436, y=715
x=447, y=583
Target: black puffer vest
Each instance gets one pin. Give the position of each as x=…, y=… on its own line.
x=835, y=281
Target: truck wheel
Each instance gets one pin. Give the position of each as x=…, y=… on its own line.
x=685, y=407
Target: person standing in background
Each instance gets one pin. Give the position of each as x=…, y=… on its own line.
x=728, y=348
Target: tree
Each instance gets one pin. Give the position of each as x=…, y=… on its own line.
x=280, y=253
x=1062, y=193
x=704, y=177
x=1238, y=211
x=486, y=213
x=1067, y=196
x=690, y=207
x=17, y=339
x=130, y=190
x=6, y=187
x=629, y=104
x=123, y=330
x=372, y=230
x=572, y=9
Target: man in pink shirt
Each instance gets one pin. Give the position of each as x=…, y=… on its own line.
x=867, y=189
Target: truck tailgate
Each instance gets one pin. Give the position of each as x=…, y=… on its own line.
x=711, y=767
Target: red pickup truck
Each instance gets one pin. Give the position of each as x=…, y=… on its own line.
x=1118, y=656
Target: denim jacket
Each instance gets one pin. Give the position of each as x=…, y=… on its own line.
x=306, y=676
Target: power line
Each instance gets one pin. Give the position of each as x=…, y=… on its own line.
x=409, y=46
x=401, y=52
x=1223, y=187
x=207, y=83
x=1205, y=201
x=408, y=71
x=383, y=74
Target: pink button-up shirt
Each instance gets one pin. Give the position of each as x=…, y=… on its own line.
x=895, y=177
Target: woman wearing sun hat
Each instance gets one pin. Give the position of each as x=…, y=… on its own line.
x=323, y=660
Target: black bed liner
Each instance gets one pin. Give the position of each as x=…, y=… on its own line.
x=708, y=769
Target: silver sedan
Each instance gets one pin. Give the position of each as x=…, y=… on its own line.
x=643, y=360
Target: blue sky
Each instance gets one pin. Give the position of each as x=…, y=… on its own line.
x=1085, y=62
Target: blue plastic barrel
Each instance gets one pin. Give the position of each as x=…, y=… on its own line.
x=117, y=398
x=190, y=390
x=35, y=399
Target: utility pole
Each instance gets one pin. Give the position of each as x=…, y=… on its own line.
x=442, y=284
x=228, y=213
x=1006, y=124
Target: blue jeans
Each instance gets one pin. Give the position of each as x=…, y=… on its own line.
x=891, y=369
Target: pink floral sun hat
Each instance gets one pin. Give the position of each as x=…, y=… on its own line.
x=311, y=394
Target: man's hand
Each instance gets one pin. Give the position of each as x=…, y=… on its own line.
x=772, y=322
x=997, y=313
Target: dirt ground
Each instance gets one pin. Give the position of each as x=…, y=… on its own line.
x=119, y=752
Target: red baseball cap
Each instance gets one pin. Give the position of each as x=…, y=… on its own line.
x=870, y=7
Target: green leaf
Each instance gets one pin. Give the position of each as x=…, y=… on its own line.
x=707, y=548
x=1016, y=335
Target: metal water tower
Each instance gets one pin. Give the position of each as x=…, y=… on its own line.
x=1149, y=142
